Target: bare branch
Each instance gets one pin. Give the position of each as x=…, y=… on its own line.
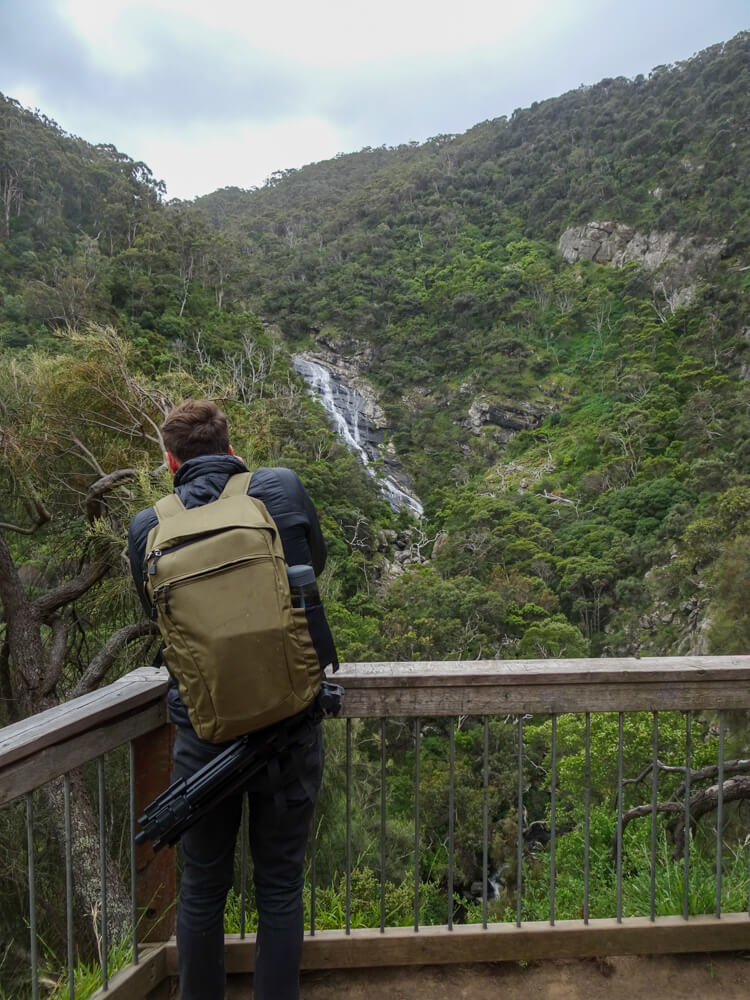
x=645, y=810
x=648, y=769
x=18, y=529
x=355, y=540
x=739, y=766
x=557, y=498
x=88, y=455
x=704, y=801
x=712, y=771
x=94, y=506
x=37, y=512
x=104, y=659
x=46, y=605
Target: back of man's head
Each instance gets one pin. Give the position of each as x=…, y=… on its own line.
x=195, y=427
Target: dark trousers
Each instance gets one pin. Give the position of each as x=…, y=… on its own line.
x=281, y=803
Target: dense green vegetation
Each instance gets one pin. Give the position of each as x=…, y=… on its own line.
x=438, y=265
x=617, y=522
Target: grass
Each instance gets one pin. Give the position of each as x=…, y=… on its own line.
x=669, y=888
x=364, y=904
x=87, y=976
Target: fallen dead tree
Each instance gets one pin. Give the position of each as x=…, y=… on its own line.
x=734, y=786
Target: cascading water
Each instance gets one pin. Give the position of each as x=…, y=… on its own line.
x=343, y=403
x=346, y=407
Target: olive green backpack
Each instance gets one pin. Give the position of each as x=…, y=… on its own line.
x=216, y=579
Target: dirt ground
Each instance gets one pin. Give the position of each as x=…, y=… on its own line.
x=722, y=976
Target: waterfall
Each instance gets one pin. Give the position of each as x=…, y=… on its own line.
x=343, y=403
x=346, y=407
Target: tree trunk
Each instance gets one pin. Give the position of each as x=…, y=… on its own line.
x=24, y=620
x=86, y=860
x=23, y=634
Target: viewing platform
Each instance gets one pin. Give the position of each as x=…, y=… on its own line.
x=128, y=718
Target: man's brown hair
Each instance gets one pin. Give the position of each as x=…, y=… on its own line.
x=195, y=427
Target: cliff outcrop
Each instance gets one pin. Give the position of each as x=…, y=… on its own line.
x=677, y=261
x=506, y=417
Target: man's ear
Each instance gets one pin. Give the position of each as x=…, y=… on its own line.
x=172, y=462
x=230, y=450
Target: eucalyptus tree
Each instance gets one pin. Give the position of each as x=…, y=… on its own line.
x=78, y=432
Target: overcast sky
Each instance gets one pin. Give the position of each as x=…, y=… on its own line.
x=217, y=92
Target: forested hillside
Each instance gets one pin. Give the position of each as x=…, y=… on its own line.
x=551, y=312
x=617, y=518
x=619, y=522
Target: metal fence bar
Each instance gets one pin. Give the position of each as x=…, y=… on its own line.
x=587, y=820
x=417, y=749
x=103, y=874
x=720, y=813
x=485, y=817
x=620, y=745
x=133, y=866
x=552, y=823
x=654, y=802
x=686, y=840
x=519, y=842
x=69, y=887
x=451, y=816
x=348, y=903
x=313, y=868
x=32, y=898
x=382, y=823
x=244, y=836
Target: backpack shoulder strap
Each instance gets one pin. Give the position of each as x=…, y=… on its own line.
x=236, y=485
x=168, y=506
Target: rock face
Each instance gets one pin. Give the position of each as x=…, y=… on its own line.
x=508, y=417
x=679, y=260
x=398, y=550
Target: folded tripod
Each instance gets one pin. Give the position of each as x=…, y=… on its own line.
x=188, y=799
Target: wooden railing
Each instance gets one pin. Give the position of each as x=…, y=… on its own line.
x=132, y=710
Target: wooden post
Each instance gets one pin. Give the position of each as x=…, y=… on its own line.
x=156, y=874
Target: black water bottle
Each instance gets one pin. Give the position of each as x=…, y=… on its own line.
x=303, y=586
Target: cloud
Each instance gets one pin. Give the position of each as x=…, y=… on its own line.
x=168, y=81
x=187, y=63
x=162, y=70
x=244, y=156
x=34, y=39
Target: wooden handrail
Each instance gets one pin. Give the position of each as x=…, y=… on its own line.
x=49, y=744
x=136, y=690
x=46, y=745
x=497, y=687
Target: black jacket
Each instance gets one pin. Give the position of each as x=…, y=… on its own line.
x=201, y=480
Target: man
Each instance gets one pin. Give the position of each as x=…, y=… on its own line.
x=281, y=796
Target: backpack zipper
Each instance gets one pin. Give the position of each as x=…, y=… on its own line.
x=156, y=554
x=163, y=591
